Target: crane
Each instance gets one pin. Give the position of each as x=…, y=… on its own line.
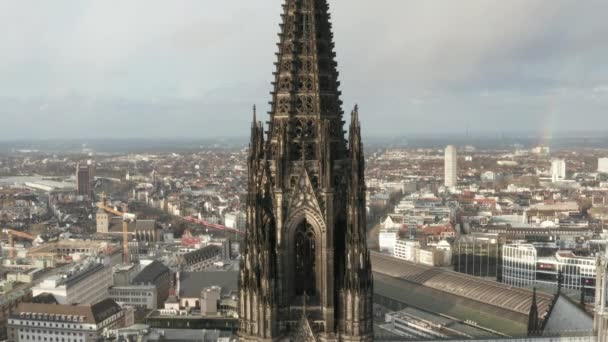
x=11, y=240
x=211, y=225
x=126, y=219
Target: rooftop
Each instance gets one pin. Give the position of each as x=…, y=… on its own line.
x=204, y=253
x=483, y=291
x=150, y=273
x=90, y=314
x=192, y=283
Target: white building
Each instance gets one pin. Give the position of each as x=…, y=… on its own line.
x=446, y=251
x=541, y=150
x=85, y=286
x=451, y=167
x=407, y=250
x=387, y=239
x=32, y=322
x=522, y=267
x=210, y=299
x=519, y=264
x=601, y=299
x=558, y=170
x=488, y=176
x=139, y=296
x=235, y=220
x=427, y=256
x=602, y=165
x=102, y=220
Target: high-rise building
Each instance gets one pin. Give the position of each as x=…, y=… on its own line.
x=451, y=166
x=602, y=165
x=305, y=273
x=84, y=177
x=558, y=170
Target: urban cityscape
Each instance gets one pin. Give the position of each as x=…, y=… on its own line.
x=303, y=227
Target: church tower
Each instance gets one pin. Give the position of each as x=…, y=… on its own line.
x=305, y=269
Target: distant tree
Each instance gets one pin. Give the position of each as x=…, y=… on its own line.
x=584, y=207
x=179, y=230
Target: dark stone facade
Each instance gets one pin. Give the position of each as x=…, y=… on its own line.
x=305, y=257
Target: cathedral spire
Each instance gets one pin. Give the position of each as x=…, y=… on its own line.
x=305, y=90
x=306, y=237
x=533, y=324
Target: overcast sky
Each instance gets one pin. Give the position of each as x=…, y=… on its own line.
x=194, y=68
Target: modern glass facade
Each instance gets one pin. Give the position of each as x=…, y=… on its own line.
x=478, y=255
x=523, y=267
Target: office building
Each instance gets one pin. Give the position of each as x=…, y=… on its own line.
x=523, y=265
x=411, y=250
x=601, y=300
x=102, y=220
x=82, y=285
x=602, y=165
x=138, y=296
x=84, y=179
x=32, y=322
x=519, y=265
x=558, y=170
x=451, y=166
x=125, y=274
x=387, y=239
x=407, y=250
x=158, y=275
x=478, y=254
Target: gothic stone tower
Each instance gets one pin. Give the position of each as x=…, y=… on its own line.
x=305, y=257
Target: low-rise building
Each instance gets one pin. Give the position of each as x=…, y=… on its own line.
x=201, y=259
x=478, y=254
x=63, y=323
x=235, y=220
x=138, y=296
x=411, y=250
x=387, y=239
x=524, y=267
x=406, y=249
x=602, y=165
x=25, y=276
x=158, y=275
x=125, y=274
x=85, y=285
x=8, y=302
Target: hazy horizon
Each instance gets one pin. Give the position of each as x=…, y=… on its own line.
x=114, y=69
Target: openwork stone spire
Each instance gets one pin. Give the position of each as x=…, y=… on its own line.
x=306, y=232
x=305, y=93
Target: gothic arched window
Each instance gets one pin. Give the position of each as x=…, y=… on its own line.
x=305, y=263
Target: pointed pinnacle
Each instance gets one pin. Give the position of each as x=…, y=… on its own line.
x=355, y=115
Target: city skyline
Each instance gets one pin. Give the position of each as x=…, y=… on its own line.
x=433, y=171
x=180, y=69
